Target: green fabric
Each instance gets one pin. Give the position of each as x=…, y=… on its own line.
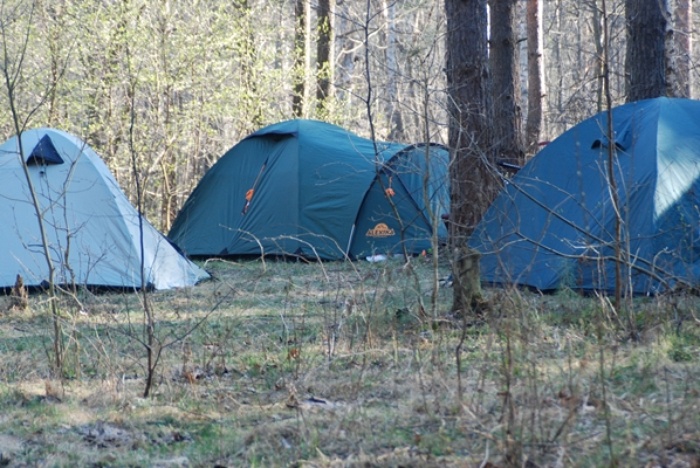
x=388, y=225
x=310, y=180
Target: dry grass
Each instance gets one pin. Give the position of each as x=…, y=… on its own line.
x=343, y=365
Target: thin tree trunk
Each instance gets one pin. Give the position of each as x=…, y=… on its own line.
x=247, y=51
x=325, y=56
x=396, y=131
x=536, y=85
x=682, y=46
x=168, y=163
x=53, y=38
x=347, y=57
x=557, y=56
x=302, y=57
x=169, y=168
x=599, y=55
x=12, y=75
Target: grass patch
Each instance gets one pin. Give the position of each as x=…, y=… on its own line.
x=320, y=364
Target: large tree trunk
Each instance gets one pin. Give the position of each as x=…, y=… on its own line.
x=302, y=57
x=646, y=50
x=536, y=85
x=325, y=57
x=473, y=183
x=505, y=82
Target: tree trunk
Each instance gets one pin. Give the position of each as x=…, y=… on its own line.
x=646, y=50
x=599, y=55
x=680, y=63
x=251, y=105
x=302, y=57
x=472, y=178
x=394, y=117
x=557, y=55
x=325, y=56
x=536, y=84
x=505, y=82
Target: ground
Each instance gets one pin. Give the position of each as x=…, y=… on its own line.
x=351, y=364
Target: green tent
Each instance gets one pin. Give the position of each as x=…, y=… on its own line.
x=315, y=190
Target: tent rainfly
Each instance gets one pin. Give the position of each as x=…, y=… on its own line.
x=554, y=224
x=93, y=232
x=315, y=190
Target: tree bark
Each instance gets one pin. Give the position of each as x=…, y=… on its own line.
x=325, y=57
x=680, y=56
x=394, y=116
x=302, y=57
x=646, y=49
x=536, y=85
x=473, y=183
x=557, y=55
x=599, y=55
x=251, y=104
x=505, y=82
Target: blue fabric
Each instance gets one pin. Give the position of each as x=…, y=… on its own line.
x=554, y=224
x=44, y=153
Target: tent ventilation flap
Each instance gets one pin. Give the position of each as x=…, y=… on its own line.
x=44, y=153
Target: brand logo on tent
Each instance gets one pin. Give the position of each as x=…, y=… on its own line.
x=380, y=230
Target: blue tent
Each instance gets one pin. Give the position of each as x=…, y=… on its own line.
x=313, y=189
x=554, y=223
x=94, y=236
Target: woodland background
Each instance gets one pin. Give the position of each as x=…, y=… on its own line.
x=194, y=77
x=342, y=363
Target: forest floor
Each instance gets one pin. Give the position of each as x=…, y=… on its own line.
x=351, y=364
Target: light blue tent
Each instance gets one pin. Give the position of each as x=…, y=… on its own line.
x=94, y=236
x=554, y=224
x=311, y=189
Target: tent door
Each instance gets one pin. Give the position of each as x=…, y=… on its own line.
x=378, y=228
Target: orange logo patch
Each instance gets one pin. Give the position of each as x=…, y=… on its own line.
x=380, y=230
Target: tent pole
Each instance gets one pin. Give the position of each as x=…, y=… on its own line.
x=352, y=235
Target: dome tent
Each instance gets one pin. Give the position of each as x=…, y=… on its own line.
x=313, y=189
x=554, y=224
x=92, y=230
